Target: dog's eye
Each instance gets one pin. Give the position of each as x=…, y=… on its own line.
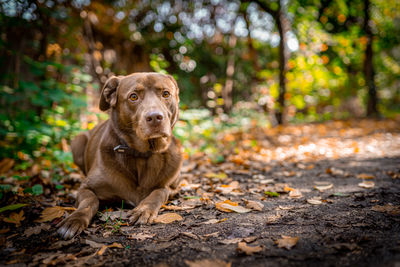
x=133, y=97
x=166, y=94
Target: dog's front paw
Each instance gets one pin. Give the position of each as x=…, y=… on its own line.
x=72, y=226
x=142, y=214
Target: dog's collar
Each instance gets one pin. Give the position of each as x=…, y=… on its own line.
x=126, y=150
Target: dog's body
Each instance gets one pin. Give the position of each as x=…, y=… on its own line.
x=133, y=155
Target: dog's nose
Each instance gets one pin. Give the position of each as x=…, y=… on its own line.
x=154, y=118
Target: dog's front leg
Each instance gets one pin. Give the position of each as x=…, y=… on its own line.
x=88, y=204
x=148, y=208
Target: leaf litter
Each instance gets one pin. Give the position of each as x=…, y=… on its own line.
x=256, y=186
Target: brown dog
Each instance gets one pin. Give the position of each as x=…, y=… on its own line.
x=131, y=156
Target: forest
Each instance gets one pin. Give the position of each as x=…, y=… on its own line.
x=289, y=115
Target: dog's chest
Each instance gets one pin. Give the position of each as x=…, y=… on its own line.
x=142, y=172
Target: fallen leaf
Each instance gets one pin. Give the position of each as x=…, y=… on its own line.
x=254, y=205
x=36, y=230
x=214, y=221
x=15, y=218
x=220, y=175
x=208, y=263
x=289, y=174
x=172, y=207
x=287, y=188
x=61, y=243
x=295, y=193
x=335, y=172
x=4, y=230
x=12, y=207
x=322, y=186
x=94, y=244
x=6, y=164
x=114, y=215
x=230, y=241
x=249, y=250
x=49, y=214
x=218, y=205
x=168, y=218
x=314, y=201
x=365, y=176
x=191, y=235
x=227, y=188
x=271, y=194
x=229, y=206
x=388, y=208
x=104, y=248
x=250, y=239
x=287, y=242
x=367, y=184
x=215, y=234
x=140, y=236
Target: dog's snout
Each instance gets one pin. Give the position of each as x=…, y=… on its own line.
x=154, y=118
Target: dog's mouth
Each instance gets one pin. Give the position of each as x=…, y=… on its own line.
x=158, y=144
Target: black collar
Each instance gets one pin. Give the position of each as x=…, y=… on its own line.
x=124, y=149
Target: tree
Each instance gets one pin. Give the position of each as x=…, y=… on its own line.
x=369, y=72
x=283, y=25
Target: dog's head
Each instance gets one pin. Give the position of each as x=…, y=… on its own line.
x=144, y=107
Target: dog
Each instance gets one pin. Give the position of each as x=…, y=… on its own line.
x=133, y=156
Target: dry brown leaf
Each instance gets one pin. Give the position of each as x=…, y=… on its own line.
x=227, y=188
x=208, y=263
x=218, y=205
x=94, y=244
x=36, y=230
x=140, y=236
x=286, y=188
x=238, y=209
x=314, y=201
x=6, y=164
x=230, y=241
x=254, y=205
x=49, y=214
x=287, y=242
x=249, y=250
x=215, y=234
x=295, y=193
x=214, y=221
x=365, y=176
x=250, y=239
x=4, y=230
x=322, y=186
x=367, y=184
x=191, y=235
x=168, y=218
x=388, y=208
x=15, y=218
x=104, y=248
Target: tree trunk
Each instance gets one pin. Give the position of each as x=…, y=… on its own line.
x=283, y=27
x=230, y=70
x=372, y=109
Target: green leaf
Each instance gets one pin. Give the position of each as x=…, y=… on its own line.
x=37, y=189
x=12, y=207
x=271, y=194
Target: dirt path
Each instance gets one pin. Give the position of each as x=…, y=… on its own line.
x=336, y=210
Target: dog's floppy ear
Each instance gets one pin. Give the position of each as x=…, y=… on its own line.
x=175, y=113
x=109, y=93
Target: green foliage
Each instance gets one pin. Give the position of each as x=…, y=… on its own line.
x=42, y=110
x=12, y=207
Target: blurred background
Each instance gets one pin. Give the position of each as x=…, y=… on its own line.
x=239, y=65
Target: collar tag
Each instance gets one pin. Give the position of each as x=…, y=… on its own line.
x=121, y=148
